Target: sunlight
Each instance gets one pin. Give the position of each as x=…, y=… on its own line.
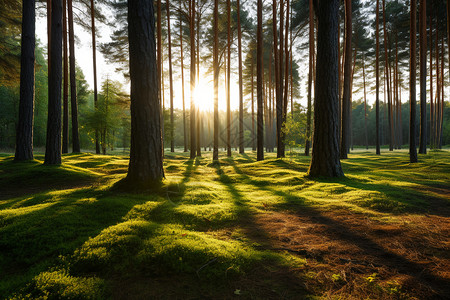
x=204, y=96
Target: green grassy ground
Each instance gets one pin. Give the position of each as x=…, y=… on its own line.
x=240, y=228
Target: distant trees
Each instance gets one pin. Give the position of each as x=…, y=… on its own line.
x=146, y=162
x=325, y=154
x=24, y=135
x=259, y=85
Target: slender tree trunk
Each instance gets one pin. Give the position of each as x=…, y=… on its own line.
x=437, y=96
x=192, y=113
x=442, y=93
x=280, y=151
x=73, y=83
x=146, y=158
x=432, y=108
x=365, y=103
x=94, y=59
x=286, y=71
x=310, y=77
x=172, y=146
x=412, y=84
x=182, y=82
x=423, y=77
x=346, y=105
x=228, y=74
x=259, y=84
x=53, y=143
x=65, y=130
x=279, y=105
x=24, y=135
x=387, y=72
x=253, y=108
x=291, y=40
x=216, y=81
x=377, y=78
x=241, y=91
x=325, y=153
x=199, y=117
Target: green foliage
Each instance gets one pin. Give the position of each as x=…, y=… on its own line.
x=294, y=128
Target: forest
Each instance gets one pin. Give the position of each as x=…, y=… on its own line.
x=290, y=149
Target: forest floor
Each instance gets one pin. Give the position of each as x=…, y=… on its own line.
x=237, y=229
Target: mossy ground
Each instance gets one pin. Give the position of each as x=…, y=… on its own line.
x=239, y=228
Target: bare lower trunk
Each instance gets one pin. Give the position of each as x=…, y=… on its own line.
x=412, y=85
x=259, y=85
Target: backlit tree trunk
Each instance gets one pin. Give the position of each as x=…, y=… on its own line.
x=241, y=91
x=73, y=85
x=228, y=74
x=377, y=78
x=182, y=82
x=216, y=82
x=278, y=98
x=65, y=130
x=24, y=135
x=310, y=78
x=325, y=154
x=53, y=142
x=388, y=81
x=346, y=105
x=146, y=162
x=423, y=77
x=172, y=147
x=192, y=109
x=281, y=147
x=94, y=61
x=259, y=85
x=412, y=84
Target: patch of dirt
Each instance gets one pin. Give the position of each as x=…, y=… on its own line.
x=350, y=254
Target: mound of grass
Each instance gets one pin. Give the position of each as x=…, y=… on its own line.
x=66, y=234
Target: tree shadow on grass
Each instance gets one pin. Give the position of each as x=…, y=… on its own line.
x=437, y=286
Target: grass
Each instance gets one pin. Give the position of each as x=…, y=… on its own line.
x=240, y=228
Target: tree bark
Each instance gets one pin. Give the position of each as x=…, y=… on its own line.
x=365, y=103
x=94, y=61
x=182, y=82
x=387, y=72
x=65, y=130
x=228, y=74
x=172, y=146
x=241, y=91
x=279, y=105
x=377, y=78
x=423, y=77
x=412, y=84
x=281, y=146
x=310, y=77
x=24, y=136
x=259, y=85
x=146, y=161
x=192, y=109
x=325, y=154
x=53, y=142
x=253, y=107
x=346, y=106
x=216, y=82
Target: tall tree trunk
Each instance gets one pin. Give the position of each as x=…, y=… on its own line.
x=325, y=153
x=253, y=106
x=346, y=105
x=377, y=78
x=286, y=69
x=241, y=92
x=259, y=84
x=279, y=105
x=388, y=82
x=94, y=61
x=432, y=108
x=53, y=142
x=310, y=77
x=412, y=84
x=437, y=96
x=24, y=135
x=192, y=109
x=423, y=76
x=199, y=117
x=73, y=82
x=216, y=81
x=228, y=74
x=146, y=158
x=49, y=34
x=281, y=146
x=172, y=146
x=365, y=103
x=182, y=82
x=442, y=93
x=65, y=130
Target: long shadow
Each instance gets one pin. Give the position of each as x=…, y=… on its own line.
x=342, y=232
